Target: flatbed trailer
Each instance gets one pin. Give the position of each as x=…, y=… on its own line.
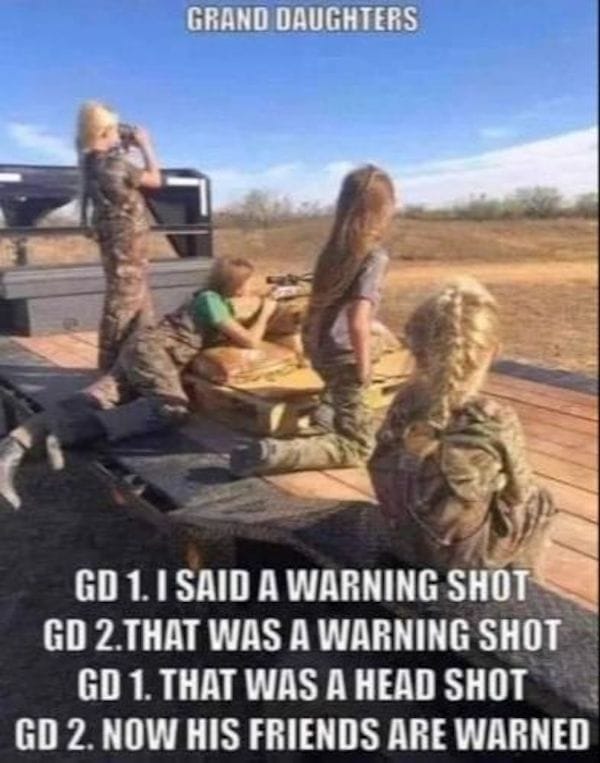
x=561, y=425
x=179, y=482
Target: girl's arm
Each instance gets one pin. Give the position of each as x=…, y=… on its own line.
x=150, y=177
x=252, y=336
x=360, y=316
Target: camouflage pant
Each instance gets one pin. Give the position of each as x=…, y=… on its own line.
x=149, y=365
x=127, y=298
x=350, y=441
x=142, y=393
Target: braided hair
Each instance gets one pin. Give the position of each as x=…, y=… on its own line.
x=450, y=335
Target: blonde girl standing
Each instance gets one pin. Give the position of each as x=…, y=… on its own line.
x=450, y=469
x=119, y=221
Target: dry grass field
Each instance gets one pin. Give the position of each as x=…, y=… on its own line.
x=544, y=273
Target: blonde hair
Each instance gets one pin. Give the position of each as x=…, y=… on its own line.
x=228, y=274
x=363, y=212
x=451, y=335
x=93, y=119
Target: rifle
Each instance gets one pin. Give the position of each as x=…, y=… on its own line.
x=290, y=285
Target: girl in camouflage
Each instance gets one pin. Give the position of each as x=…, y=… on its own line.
x=119, y=221
x=450, y=469
x=143, y=392
x=346, y=292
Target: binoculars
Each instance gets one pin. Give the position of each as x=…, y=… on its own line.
x=126, y=135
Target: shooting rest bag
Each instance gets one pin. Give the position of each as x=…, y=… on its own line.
x=286, y=319
x=231, y=365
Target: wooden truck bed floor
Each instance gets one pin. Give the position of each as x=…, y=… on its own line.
x=562, y=435
x=179, y=481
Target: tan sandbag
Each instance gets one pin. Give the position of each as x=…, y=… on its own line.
x=288, y=316
x=230, y=365
x=286, y=319
x=293, y=342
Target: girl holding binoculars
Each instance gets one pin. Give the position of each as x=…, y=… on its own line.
x=119, y=221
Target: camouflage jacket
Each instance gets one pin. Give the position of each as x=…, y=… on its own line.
x=471, y=503
x=111, y=183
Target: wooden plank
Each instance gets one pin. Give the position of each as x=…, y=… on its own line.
x=578, y=534
x=587, y=443
x=87, y=337
x=560, y=420
x=547, y=403
x=564, y=471
x=46, y=348
x=87, y=353
x=548, y=390
x=572, y=572
x=314, y=485
x=572, y=455
x=542, y=394
x=572, y=500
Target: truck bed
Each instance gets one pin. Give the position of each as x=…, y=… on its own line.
x=561, y=425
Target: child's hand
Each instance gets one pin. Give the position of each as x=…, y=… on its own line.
x=268, y=307
x=142, y=137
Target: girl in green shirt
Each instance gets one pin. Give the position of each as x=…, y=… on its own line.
x=143, y=391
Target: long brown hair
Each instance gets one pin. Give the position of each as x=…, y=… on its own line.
x=363, y=212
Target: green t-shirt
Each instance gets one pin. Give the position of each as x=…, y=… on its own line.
x=210, y=310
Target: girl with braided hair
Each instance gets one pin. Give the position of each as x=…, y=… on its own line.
x=450, y=469
x=346, y=292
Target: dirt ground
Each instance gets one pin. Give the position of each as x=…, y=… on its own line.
x=543, y=272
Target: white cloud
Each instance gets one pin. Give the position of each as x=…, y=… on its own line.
x=297, y=180
x=42, y=144
x=568, y=162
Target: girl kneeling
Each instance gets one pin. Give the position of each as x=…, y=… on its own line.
x=450, y=469
x=346, y=292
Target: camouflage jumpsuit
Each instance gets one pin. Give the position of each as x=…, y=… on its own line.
x=120, y=222
x=142, y=393
x=473, y=502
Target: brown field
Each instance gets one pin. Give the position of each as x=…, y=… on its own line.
x=544, y=273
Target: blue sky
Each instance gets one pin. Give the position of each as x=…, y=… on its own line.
x=484, y=97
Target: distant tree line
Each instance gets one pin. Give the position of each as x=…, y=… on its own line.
x=264, y=209
x=538, y=202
